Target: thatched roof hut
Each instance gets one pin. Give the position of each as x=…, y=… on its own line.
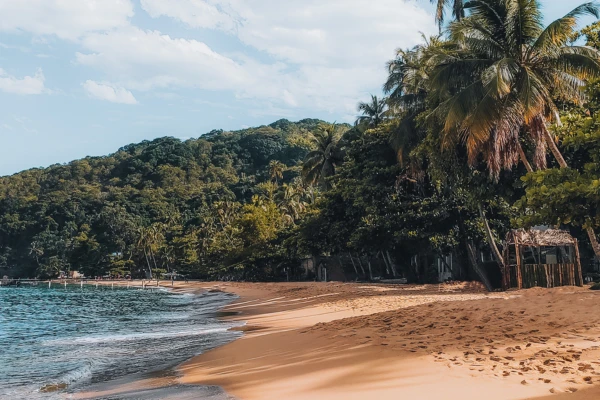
x=541, y=257
x=540, y=237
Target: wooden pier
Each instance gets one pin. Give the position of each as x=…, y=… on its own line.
x=63, y=283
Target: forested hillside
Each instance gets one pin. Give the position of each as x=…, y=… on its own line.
x=159, y=204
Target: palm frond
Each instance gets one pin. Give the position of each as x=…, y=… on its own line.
x=583, y=62
x=523, y=23
x=534, y=96
x=559, y=32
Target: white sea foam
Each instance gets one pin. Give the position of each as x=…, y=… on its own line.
x=134, y=336
x=78, y=375
x=77, y=338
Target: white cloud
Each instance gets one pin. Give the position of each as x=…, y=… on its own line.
x=324, y=55
x=26, y=85
x=308, y=31
x=109, y=92
x=67, y=19
x=328, y=54
x=144, y=60
x=195, y=13
x=149, y=60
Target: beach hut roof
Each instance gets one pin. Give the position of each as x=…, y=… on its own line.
x=539, y=237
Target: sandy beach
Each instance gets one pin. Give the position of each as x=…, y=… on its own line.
x=356, y=341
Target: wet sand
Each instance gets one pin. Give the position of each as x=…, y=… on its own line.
x=354, y=341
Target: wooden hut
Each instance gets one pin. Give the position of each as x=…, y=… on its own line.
x=537, y=257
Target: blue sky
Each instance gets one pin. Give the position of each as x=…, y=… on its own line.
x=85, y=77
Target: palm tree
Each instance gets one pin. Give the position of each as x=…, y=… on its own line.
x=373, y=113
x=321, y=163
x=407, y=89
x=276, y=169
x=291, y=201
x=504, y=77
x=150, y=241
x=36, y=251
x=458, y=10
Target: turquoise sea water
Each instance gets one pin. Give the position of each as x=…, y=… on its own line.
x=83, y=336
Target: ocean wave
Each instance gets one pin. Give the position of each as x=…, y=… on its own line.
x=133, y=336
x=80, y=374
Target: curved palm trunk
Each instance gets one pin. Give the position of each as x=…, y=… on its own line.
x=563, y=164
x=554, y=148
x=524, y=158
x=354, y=265
x=490, y=237
x=148, y=261
x=392, y=265
x=472, y=256
x=387, y=266
x=594, y=241
x=361, y=265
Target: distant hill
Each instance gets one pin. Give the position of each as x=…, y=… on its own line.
x=87, y=214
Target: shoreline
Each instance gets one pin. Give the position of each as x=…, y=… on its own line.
x=162, y=382
x=351, y=341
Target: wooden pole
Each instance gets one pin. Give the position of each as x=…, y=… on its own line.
x=560, y=274
x=505, y=277
x=578, y=263
x=519, y=264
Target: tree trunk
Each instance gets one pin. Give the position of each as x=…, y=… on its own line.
x=361, y=266
x=524, y=158
x=148, y=261
x=475, y=265
x=387, y=267
x=594, y=241
x=491, y=240
x=354, y=265
x=370, y=270
x=554, y=148
x=392, y=265
x=153, y=259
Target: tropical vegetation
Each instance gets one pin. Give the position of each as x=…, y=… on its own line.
x=491, y=125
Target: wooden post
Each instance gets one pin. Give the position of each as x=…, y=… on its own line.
x=506, y=255
x=519, y=264
x=578, y=263
x=560, y=274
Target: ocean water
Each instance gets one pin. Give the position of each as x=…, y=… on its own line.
x=85, y=336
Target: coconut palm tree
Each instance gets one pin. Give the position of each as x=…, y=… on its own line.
x=504, y=77
x=292, y=201
x=320, y=164
x=373, y=113
x=407, y=90
x=276, y=169
x=457, y=6
x=150, y=241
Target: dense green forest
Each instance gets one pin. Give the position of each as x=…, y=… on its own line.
x=491, y=125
